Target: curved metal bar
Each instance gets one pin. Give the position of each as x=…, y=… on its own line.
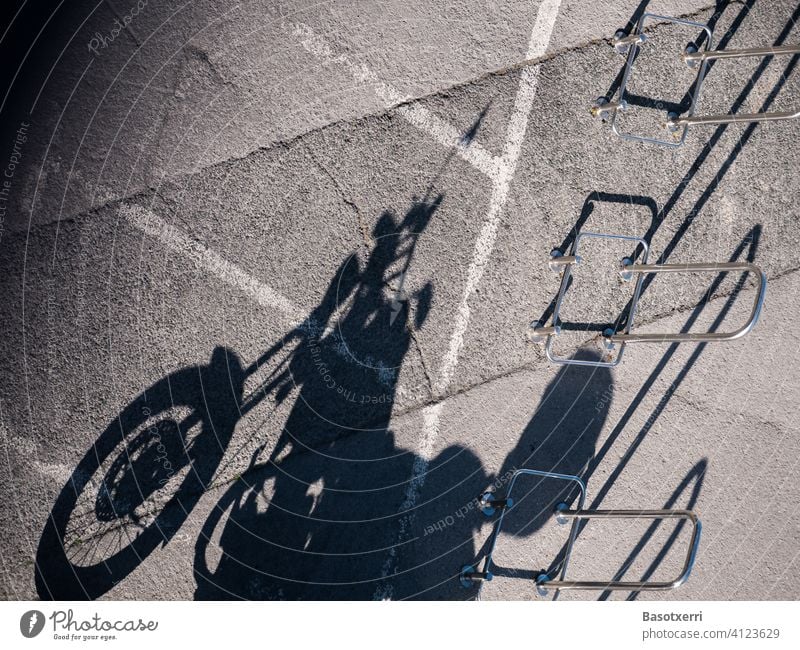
x=758, y=303
x=632, y=585
x=547, y=334
x=771, y=50
x=606, y=109
x=471, y=575
x=732, y=118
x=691, y=58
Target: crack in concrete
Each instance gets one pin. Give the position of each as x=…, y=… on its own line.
x=367, y=239
x=369, y=116
x=550, y=56
x=422, y=361
x=510, y=372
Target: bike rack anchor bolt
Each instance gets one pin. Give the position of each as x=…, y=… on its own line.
x=622, y=41
x=623, y=265
x=489, y=505
x=538, y=333
x=561, y=519
x=608, y=343
x=470, y=576
x=603, y=108
x=691, y=62
x=541, y=580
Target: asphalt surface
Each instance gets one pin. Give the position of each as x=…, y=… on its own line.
x=267, y=277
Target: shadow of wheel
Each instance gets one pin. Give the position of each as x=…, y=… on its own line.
x=138, y=483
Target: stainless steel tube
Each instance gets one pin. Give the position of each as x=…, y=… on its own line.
x=733, y=118
x=632, y=585
x=709, y=55
x=758, y=303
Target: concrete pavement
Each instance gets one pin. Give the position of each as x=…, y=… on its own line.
x=329, y=309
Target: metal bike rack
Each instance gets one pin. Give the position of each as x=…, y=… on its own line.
x=629, y=45
x=539, y=333
x=471, y=575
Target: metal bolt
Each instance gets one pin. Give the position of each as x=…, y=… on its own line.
x=486, y=503
x=538, y=333
x=598, y=112
x=541, y=580
x=624, y=264
x=691, y=48
x=672, y=125
x=561, y=519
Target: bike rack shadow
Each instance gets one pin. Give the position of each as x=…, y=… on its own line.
x=586, y=212
x=695, y=476
x=686, y=101
x=748, y=247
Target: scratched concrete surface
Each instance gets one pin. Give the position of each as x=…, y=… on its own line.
x=268, y=272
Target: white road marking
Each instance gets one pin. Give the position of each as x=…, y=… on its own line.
x=445, y=134
x=178, y=241
x=449, y=137
x=499, y=170
x=515, y=136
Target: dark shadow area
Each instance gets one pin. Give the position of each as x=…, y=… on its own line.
x=336, y=476
x=695, y=478
x=335, y=463
x=33, y=37
x=116, y=510
x=168, y=443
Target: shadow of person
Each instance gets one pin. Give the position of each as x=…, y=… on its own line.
x=136, y=485
x=316, y=521
x=561, y=436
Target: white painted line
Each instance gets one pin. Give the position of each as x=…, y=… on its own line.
x=449, y=137
x=425, y=450
x=515, y=136
x=441, y=131
x=178, y=241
